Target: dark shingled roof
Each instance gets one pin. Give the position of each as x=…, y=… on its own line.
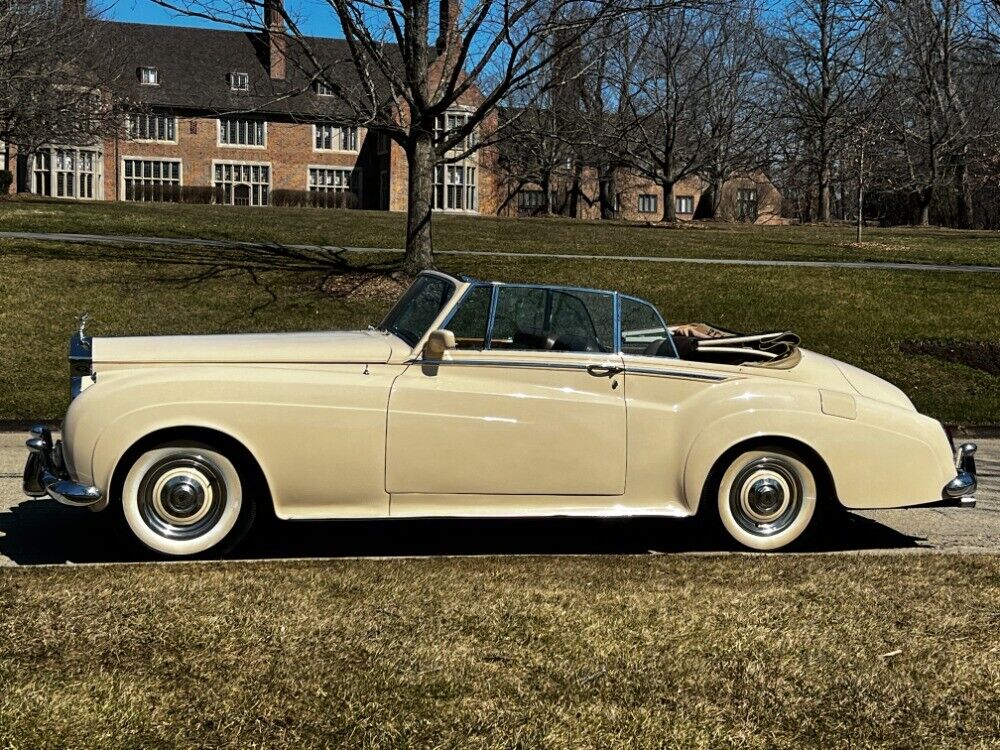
x=194, y=67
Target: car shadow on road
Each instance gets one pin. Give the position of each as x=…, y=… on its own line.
x=43, y=532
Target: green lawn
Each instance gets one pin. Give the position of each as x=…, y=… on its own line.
x=859, y=316
x=560, y=653
x=382, y=229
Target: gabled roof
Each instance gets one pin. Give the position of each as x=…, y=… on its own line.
x=195, y=64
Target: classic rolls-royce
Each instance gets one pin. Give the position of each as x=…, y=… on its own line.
x=487, y=400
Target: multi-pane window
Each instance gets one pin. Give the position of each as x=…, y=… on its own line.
x=151, y=179
x=67, y=173
x=240, y=131
x=684, y=204
x=239, y=81
x=243, y=183
x=332, y=180
x=746, y=204
x=455, y=187
x=152, y=127
x=335, y=137
x=446, y=125
x=530, y=199
x=647, y=203
x=149, y=76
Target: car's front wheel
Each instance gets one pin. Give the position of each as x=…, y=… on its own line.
x=186, y=499
x=767, y=498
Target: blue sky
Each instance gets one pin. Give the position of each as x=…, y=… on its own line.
x=314, y=16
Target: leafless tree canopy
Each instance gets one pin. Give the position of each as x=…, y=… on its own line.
x=55, y=75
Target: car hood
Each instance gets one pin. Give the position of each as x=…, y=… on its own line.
x=826, y=372
x=319, y=347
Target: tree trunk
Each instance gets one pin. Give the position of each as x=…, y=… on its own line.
x=715, y=196
x=420, y=197
x=669, y=207
x=606, y=192
x=823, y=213
x=964, y=218
x=546, y=185
x=574, y=196
x=926, y=198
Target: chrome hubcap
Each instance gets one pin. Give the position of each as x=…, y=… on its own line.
x=766, y=496
x=182, y=496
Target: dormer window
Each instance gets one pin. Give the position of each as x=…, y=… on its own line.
x=323, y=88
x=239, y=81
x=149, y=76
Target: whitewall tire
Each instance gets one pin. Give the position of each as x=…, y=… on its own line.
x=767, y=499
x=184, y=500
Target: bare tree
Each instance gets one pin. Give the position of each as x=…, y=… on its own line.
x=821, y=54
x=411, y=68
x=45, y=95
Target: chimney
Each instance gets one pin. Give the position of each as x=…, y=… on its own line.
x=447, y=24
x=277, y=42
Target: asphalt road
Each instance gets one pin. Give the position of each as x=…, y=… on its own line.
x=107, y=239
x=36, y=532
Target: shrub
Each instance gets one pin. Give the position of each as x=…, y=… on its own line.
x=309, y=199
x=6, y=180
x=203, y=194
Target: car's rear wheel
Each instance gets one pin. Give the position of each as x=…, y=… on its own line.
x=186, y=499
x=767, y=498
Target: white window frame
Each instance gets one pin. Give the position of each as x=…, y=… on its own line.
x=122, y=180
x=323, y=89
x=218, y=134
x=448, y=170
x=352, y=173
x=154, y=75
x=655, y=203
x=153, y=140
x=241, y=77
x=96, y=174
x=358, y=137
x=241, y=163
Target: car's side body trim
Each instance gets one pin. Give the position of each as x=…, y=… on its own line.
x=709, y=377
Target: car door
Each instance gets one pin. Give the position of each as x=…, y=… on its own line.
x=531, y=403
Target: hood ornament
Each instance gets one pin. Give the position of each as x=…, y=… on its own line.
x=81, y=325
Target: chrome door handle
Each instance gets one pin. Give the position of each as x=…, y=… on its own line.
x=604, y=371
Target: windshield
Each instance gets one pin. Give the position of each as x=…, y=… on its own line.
x=417, y=309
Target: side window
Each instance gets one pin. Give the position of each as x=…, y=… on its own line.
x=643, y=331
x=470, y=321
x=553, y=320
x=520, y=319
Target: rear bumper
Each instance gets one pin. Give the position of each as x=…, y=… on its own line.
x=960, y=490
x=45, y=473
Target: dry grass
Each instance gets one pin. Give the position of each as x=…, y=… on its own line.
x=601, y=652
x=382, y=229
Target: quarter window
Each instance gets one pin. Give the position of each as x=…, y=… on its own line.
x=643, y=330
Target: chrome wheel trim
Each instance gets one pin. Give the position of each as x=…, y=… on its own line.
x=772, y=519
x=188, y=530
x=182, y=496
x=765, y=496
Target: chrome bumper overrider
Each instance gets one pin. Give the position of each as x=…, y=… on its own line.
x=45, y=473
x=960, y=490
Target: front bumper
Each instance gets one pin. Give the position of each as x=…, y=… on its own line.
x=45, y=473
x=960, y=490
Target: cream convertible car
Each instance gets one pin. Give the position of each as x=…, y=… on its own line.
x=486, y=399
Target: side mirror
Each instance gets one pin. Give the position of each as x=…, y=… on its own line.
x=438, y=343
